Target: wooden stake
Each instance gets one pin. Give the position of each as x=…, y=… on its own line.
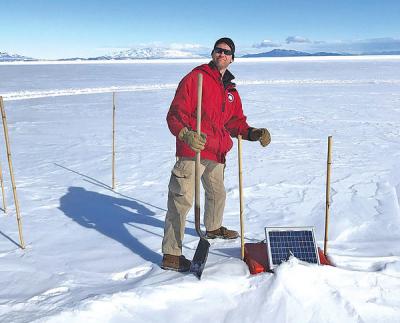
x=3, y=115
x=2, y=190
x=113, y=144
x=241, y=195
x=328, y=183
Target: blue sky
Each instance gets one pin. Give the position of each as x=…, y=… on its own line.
x=57, y=29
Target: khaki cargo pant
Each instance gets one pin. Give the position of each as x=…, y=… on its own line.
x=180, y=200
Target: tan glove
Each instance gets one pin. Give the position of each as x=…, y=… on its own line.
x=262, y=135
x=195, y=142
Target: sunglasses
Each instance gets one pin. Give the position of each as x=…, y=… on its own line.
x=220, y=50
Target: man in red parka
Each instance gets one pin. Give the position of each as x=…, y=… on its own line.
x=222, y=118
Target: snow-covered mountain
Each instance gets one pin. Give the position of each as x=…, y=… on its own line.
x=149, y=53
x=6, y=57
x=290, y=53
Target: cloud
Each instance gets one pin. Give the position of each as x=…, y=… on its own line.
x=266, y=43
x=173, y=46
x=358, y=46
x=297, y=39
x=111, y=49
x=378, y=44
x=185, y=46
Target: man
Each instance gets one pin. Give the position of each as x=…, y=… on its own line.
x=222, y=118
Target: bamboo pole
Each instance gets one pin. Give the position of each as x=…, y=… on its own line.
x=327, y=202
x=2, y=190
x=5, y=128
x=241, y=195
x=113, y=144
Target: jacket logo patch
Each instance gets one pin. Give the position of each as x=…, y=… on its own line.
x=230, y=97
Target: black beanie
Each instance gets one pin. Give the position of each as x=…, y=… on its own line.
x=227, y=41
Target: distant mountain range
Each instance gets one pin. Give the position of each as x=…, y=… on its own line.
x=295, y=53
x=291, y=53
x=5, y=57
x=140, y=53
x=166, y=53
x=143, y=53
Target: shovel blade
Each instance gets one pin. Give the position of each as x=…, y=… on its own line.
x=200, y=258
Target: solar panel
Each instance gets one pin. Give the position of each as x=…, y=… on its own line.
x=297, y=241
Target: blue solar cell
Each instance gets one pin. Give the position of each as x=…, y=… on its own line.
x=283, y=242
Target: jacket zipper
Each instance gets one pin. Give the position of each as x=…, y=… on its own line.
x=223, y=96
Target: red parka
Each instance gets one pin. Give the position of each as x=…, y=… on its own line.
x=221, y=115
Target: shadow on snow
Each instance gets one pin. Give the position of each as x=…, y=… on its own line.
x=110, y=215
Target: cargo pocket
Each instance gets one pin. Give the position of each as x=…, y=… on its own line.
x=180, y=181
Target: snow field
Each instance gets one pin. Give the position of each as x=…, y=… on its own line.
x=93, y=254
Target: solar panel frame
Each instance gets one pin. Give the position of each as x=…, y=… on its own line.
x=295, y=232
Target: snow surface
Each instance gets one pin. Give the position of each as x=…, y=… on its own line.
x=93, y=254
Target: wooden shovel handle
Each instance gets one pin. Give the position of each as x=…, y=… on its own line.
x=197, y=165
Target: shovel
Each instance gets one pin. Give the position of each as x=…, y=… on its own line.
x=200, y=256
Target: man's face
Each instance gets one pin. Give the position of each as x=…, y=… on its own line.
x=221, y=60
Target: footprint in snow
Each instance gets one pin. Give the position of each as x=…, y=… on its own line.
x=131, y=273
x=49, y=293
